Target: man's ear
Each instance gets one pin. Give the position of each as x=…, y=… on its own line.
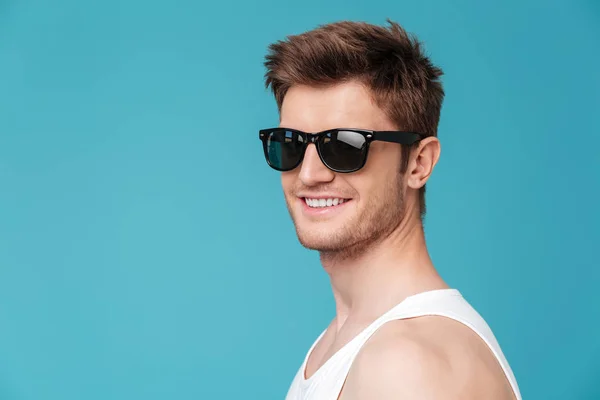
x=422, y=161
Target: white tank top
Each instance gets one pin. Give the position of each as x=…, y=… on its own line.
x=326, y=383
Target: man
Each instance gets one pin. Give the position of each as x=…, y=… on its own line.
x=359, y=108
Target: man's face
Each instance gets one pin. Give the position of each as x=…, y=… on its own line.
x=372, y=197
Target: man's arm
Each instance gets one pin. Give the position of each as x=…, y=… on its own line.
x=411, y=367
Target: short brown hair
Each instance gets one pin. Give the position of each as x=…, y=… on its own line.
x=403, y=81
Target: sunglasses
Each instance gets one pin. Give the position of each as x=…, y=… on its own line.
x=341, y=150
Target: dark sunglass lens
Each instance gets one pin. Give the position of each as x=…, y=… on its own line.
x=344, y=150
x=284, y=149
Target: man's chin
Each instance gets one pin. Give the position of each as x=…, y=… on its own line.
x=321, y=241
x=320, y=246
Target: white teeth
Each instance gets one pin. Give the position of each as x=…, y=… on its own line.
x=320, y=203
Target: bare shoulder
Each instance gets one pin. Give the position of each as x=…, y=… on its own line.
x=426, y=358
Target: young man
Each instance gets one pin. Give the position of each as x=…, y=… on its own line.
x=359, y=107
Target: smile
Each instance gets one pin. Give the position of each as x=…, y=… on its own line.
x=322, y=203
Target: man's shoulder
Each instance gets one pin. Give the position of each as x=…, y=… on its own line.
x=425, y=357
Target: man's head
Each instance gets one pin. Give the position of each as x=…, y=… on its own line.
x=362, y=76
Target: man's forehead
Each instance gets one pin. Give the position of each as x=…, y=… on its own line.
x=347, y=105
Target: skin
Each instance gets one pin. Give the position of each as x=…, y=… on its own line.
x=374, y=251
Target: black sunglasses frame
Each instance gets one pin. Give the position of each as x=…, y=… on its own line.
x=400, y=137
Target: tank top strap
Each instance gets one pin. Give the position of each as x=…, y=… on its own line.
x=421, y=304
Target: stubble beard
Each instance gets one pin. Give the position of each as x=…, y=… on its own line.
x=376, y=220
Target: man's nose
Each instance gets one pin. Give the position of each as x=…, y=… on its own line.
x=312, y=170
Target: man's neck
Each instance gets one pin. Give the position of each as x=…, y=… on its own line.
x=382, y=275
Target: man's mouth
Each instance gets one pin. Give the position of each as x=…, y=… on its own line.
x=324, y=202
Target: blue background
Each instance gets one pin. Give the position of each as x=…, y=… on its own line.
x=145, y=248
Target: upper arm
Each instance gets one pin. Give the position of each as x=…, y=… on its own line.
x=426, y=358
x=401, y=368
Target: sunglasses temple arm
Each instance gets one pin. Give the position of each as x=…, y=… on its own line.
x=400, y=137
